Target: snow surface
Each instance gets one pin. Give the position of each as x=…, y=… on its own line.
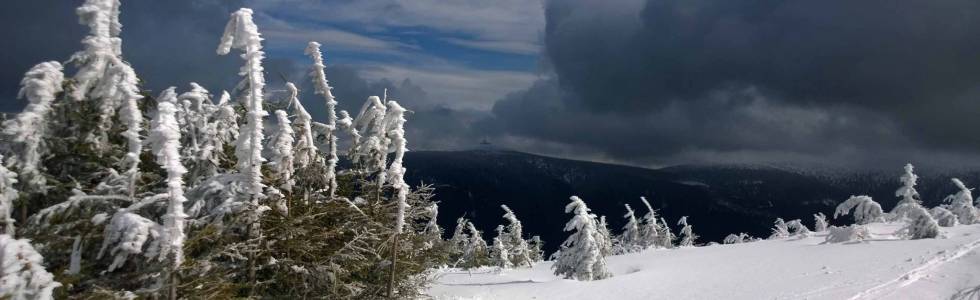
x=882, y=267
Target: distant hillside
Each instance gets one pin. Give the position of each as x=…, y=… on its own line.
x=719, y=199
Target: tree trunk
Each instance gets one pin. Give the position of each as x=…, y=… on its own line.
x=394, y=260
x=173, y=284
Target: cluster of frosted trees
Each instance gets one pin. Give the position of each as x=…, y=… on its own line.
x=509, y=249
x=582, y=255
x=192, y=194
x=921, y=223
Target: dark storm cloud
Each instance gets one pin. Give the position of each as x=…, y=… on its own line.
x=667, y=78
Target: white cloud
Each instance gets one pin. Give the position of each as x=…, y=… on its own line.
x=282, y=34
x=512, y=26
x=456, y=87
x=515, y=47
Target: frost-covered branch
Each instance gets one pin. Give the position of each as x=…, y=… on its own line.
x=7, y=196
x=22, y=273
x=28, y=129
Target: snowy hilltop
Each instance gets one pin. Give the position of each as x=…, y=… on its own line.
x=880, y=267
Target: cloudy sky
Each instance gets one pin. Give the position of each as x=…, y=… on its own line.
x=641, y=82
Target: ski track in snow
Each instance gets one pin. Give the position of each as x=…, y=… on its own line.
x=886, y=288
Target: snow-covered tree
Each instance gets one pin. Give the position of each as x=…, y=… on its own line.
x=649, y=229
x=394, y=122
x=687, y=233
x=513, y=238
x=457, y=243
x=476, y=252
x=22, y=273
x=920, y=224
x=910, y=197
x=281, y=155
x=536, y=245
x=370, y=153
x=321, y=87
x=499, y=256
x=819, y=222
x=604, y=237
x=665, y=238
x=104, y=77
x=629, y=240
x=27, y=130
x=305, y=149
x=736, y=238
x=242, y=33
x=225, y=121
x=581, y=256
x=844, y=234
x=866, y=210
x=165, y=142
x=432, y=231
x=961, y=204
x=203, y=145
x=943, y=216
x=797, y=227
x=779, y=229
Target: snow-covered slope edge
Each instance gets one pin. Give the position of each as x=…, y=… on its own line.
x=883, y=267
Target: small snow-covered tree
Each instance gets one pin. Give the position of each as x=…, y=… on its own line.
x=242, y=33
x=736, y=239
x=649, y=229
x=203, y=146
x=22, y=273
x=370, y=152
x=305, y=148
x=580, y=257
x=961, y=204
x=910, y=197
x=27, y=130
x=165, y=142
x=457, y=243
x=394, y=123
x=844, y=234
x=281, y=155
x=629, y=240
x=943, y=216
x=665, y=238
x=225, y=121
x=604, y=237
x=513, y=238
x=779, y=229
x=432, y=231
x=920, y=225
x=322, y=87
x=476, y=252
x=536, y=245
x=866, y=210
x=499, y=256
x=819, y=222
x=687, y=233
x=798, y=228
x=104, y=77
